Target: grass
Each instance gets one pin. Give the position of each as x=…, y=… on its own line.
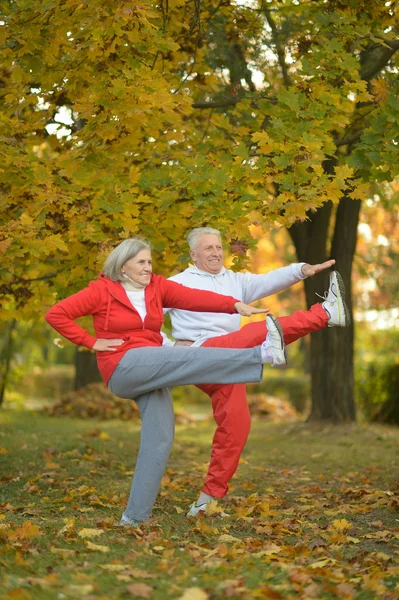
x=314, y=514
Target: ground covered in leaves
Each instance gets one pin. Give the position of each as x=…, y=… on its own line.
x=314, y=514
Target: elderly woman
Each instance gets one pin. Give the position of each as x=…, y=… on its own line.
x=126, y=303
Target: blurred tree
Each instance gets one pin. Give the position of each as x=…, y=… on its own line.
x=154, y=117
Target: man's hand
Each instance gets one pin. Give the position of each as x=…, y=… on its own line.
x=183, y=343
x=309, y=270
x=246, y=311
x=102, y=345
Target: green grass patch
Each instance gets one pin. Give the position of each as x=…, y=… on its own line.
x=314, y=513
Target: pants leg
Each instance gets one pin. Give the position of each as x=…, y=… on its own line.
x=141, y=370
x=157, y=433
x=231, y=413
x=297, y=325
x=229, y=402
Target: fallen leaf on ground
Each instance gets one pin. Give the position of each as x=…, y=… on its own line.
x=194, y=593
x=139, y=590
x=92, y=546
x=90, y=533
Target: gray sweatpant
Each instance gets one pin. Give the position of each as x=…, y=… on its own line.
x=146, y=374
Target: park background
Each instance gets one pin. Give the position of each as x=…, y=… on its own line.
x=278, y=123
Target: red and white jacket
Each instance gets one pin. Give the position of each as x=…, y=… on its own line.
x=115, y=317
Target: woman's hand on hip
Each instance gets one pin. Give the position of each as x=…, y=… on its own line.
x=246, y=311
x=102, y=345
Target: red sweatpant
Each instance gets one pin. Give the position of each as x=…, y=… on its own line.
x=229, y=402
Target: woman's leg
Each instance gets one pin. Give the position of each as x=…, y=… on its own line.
x=157, y=433
x=142, y=370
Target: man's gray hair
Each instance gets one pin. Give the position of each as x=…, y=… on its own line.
x=121, y=254
x=194, y=235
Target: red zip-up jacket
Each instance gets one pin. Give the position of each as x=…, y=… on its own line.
x=115, y=317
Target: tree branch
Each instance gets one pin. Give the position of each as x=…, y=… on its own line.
x=279, y=49
x=218, y=103
x=349, y=139
x=382, y=61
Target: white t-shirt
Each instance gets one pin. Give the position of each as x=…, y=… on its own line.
x=137, y=299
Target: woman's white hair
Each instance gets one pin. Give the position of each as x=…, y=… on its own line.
x=194, y=235
x=121, y=254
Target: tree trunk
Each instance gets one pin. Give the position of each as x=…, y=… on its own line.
x=6, y=359
x=332, y=348
x=86, y=370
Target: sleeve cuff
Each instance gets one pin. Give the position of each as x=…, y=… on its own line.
x=299, y=270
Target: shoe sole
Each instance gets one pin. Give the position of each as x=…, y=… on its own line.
x=277, y=324
x=342, y=292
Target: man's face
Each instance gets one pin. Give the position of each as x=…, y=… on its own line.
x=208, y=255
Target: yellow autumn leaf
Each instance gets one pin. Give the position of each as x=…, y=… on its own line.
x=341, y=525
x=270, y=550
x=226, y=538
x=213, y=508
x=380, y=89
x=344, y=172
x=79, y=591
x=90, y=533
x=27, y=531
x=96, y=547
x=320, y=564
x=112, y=567
x=139, y=590
x=69, y=525
x=264, y=141
x=64, y=552
x=194, y=593
x=3, y=451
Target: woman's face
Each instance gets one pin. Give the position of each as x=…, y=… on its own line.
x=139, y=268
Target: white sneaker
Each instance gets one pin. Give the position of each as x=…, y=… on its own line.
x=334, y=302
x=196, y=510
x=273, y=348
x=125, y=522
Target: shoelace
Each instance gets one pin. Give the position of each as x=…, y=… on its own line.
x=325, y=297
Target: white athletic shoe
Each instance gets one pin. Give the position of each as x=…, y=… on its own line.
x=334, y=302
x=196, y=510
x=273, y=348
x=125, y=522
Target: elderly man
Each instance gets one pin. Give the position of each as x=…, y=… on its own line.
x=229, y=402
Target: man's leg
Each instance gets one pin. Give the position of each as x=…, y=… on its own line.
x=230, y=404
x=231, y=413
x=297, y=325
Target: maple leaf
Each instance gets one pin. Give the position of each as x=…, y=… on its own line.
x=341, y=524
x=239, y=247
x=27, y=531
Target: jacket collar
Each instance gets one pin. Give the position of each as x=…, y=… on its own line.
x=116, y=289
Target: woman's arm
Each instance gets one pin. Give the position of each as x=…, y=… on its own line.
x=62, y=316
x=176, y=295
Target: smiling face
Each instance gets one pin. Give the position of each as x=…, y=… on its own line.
x=139, y=268
x=208, y=254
